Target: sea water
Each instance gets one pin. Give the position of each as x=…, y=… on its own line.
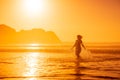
x=59, y=63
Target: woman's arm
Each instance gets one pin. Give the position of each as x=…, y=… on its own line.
x=83, y=45
x=74, y=45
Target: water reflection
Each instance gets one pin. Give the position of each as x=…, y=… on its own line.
x=77, y=69
x=33, y=63
x=32, y=79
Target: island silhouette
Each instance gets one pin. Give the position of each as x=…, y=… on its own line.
x=9, y=35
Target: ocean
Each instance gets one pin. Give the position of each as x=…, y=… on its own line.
x=58, y=62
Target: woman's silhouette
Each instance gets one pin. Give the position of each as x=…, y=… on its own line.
x=77, y=45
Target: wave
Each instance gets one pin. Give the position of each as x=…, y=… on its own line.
x=57, y=48
x=105, y=51
x=34, y=50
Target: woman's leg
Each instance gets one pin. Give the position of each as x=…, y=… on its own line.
x=77, y=52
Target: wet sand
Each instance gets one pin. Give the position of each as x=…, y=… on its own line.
x=58, y=66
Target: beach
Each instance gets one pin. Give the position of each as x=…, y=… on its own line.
x=59, y=39
x=104, y=64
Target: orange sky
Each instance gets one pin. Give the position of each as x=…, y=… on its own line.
x=96, y=20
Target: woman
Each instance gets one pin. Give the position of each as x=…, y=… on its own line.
x=78, y=45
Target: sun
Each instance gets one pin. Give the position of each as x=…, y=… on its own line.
x=34, y=8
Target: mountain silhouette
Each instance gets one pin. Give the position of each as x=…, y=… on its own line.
x=10, y=36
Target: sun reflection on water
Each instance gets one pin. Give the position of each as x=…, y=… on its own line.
x=32, y=63
x=32, y=79
x=35, y=46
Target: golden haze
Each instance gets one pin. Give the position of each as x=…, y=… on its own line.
x=96, y=20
